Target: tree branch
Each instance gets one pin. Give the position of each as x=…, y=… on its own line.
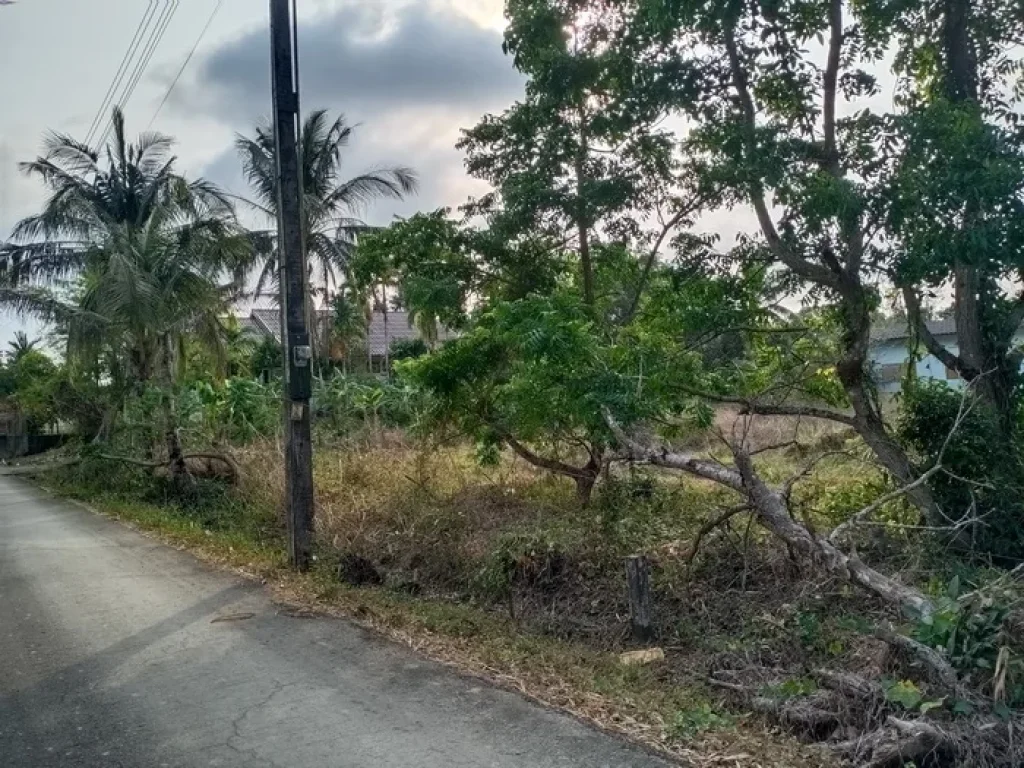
x=806, y=269
x=552, y=465
x=916, y=318
x=840, y=532
x=773, y=513
x=652, y=257
x=711, y=525
x=754, y=408
x=663, y=457
x=831, y=79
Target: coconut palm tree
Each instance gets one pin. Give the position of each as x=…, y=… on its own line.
x=331, y=203
x=94, y=189
x=144, y=258
x=21, y=345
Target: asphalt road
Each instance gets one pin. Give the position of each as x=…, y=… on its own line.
x=118, y=652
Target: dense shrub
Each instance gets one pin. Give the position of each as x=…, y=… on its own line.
x=985, y=473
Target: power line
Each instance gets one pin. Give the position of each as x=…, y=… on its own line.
x=152, y=44
x=115, y=83
x=184, y=65
x=145, y=43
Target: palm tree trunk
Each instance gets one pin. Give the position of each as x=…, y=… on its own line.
x=387, y=340
x=175, y=455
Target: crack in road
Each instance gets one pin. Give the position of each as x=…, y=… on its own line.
x=236, y=726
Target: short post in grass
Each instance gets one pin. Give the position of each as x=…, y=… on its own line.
x=638, y=577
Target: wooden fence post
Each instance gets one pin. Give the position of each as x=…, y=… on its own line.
x=638, y=575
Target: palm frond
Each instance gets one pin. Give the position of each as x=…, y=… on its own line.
x=356, y=193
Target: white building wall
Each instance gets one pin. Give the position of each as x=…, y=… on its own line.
x=894, y=352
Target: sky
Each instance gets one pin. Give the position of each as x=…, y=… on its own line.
x=409, y=73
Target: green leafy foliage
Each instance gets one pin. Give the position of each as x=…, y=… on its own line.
x=985, y=470
x=700, y=718
x=973, y=632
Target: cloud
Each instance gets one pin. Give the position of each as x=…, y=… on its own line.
x=409, y=77
x=364, y=60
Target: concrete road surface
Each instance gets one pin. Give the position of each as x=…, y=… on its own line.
x=117, y=652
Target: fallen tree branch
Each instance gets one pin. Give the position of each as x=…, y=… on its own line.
x=849, y=684
x=773, y=513
x=840, y=532
x=224, y=458
x=940, y=671
x=898, y=743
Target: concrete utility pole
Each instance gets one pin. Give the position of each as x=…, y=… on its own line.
x=294, y=298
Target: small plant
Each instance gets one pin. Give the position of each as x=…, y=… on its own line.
x=970, y=629
x=699, y=719
x=906, y=694
x=793, y=688
x=530, y=559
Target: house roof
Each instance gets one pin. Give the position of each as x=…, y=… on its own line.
x=399, y=327
x=898, y=329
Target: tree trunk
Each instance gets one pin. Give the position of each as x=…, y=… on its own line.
x=387, y=339
x=582, y=223
x=982, y=361
x=853, y=375
x=586, y=480
x=175, y=455
x=585, y=477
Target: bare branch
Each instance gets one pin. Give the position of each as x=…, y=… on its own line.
x=830, y=82
x=787, y=487
x=933, y=345
x=773, y=513
x=711, y=525
x=942, y=671
x=864, y=515
x=816, y=273
x=840, y=532
x=663, y=457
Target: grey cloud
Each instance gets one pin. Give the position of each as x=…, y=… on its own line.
x=364, y=62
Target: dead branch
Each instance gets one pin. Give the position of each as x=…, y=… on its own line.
x=939, y=671
x=860, y=518
x=898, y=743
x=773, y=513
x=787, y=487
x=841, y=531
x=821, y=710
x=850, y=685
x=711, y=525
x=223, y=458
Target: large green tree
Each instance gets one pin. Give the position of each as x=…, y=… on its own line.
x=956, y=190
